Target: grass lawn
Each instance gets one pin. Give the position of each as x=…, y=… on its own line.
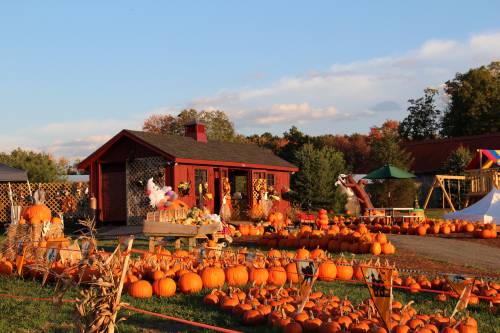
x=436, y=213
x=27, y=316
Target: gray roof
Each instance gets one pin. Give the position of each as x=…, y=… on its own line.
x=10, y=174
x=188, y=148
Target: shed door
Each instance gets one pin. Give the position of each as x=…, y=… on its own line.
x=113, y=191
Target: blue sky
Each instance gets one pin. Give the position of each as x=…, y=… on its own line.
x=74, y=73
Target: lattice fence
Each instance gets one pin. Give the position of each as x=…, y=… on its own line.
x=138, y=173
x=56, y=195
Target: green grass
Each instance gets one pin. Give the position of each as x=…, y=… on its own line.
x=28, y=316
x=436, y=213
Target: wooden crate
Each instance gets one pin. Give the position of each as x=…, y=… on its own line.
x=151, y=228
x=166, y=215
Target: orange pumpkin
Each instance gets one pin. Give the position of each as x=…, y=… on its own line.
x=277, y=276
x=236, y=275
x=259, y=276
x=327, y=271
x=190, y=283
x=140, y=289
x=164, y=287
x=213, y=277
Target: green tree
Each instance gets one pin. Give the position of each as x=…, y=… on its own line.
x=474, y=106
x=422, y=121
x=455, y=164
x=41, y=167
x=218, y=124
x=457, y=161
x=294, y=139
x=314, y=185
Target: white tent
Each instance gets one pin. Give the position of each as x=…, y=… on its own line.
x=486, y=210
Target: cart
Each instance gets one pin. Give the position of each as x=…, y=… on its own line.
x=156, y=229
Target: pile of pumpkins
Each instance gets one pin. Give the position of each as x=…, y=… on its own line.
x=437, y=227
x=181, y=270
x=489, y=291
x=278, y=308
x=162, y=275
x=335, y=238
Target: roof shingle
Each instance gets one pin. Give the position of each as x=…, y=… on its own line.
x=188, y=148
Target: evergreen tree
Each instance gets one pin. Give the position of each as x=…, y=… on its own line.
x=314, y=185
x=457, y=161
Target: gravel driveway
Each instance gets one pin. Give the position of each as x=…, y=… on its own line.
x=451, y=250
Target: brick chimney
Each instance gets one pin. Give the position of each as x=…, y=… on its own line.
x=196, y=130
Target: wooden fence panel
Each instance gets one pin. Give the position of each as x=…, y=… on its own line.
x=56, y=196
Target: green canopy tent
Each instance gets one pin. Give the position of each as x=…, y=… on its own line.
x=389, y=172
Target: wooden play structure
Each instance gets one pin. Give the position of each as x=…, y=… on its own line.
x=440, y=182
x=481, y=176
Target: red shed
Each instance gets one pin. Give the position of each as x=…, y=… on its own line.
x=120, y=169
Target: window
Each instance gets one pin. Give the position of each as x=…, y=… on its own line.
x=260, y=175
x=200, y=178
x=270, y=180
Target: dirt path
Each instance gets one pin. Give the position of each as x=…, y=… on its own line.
x=459, y=252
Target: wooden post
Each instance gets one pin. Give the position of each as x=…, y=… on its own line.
x=445, y=193
x=111, y=327
x=429, y=194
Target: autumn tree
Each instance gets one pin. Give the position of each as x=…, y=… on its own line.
x=423, y=120
x=386, y=146
x=474, y=106
x=218, y=125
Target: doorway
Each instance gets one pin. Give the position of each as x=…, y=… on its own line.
x=113, y=191
x=239, y=193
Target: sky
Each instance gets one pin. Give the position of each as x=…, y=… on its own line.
x=74, y=73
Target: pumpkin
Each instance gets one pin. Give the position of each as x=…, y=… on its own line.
x=244, y=229
x=252, y=317
x=327, y=271
x=56, y=219
x=156, y=275
x=164, y=287
x=302, y=254
x=421, y=230
x=375, y=248
x=236, y=275
x=293, y=328
x=38, y=212
x=211, y=299
x=140, y=289
x=277, y=276
x=388, y=248
x=6, y=267
x=190, y=283
x=344, y=269
x=213, y=277
x=259, y=276
x=291, y=273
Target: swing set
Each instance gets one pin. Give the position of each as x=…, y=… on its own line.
x=443, y=182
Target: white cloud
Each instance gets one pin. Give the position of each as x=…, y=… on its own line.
x=353, y=89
